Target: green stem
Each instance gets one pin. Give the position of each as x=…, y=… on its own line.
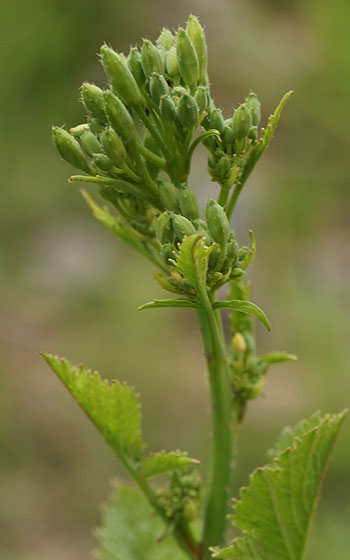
x=233, y=200
x=222, y=443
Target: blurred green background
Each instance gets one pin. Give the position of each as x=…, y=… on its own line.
x=68, y=287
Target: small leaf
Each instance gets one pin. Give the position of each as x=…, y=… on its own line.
x=113, y=407
x=175, y=302
x=277, y=357
x=159, y=463
x=192, y=261
x=275, y=511
x=131, y=531
x=243, y=306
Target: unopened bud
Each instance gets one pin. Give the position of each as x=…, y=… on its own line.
x=92, y=98
x=70, y=149
x=135, y=66
x=151, y=58
x=196, y=33
x=187, y=58
x=254, y=106
x=171, y=63
x=202, y=98
x=95, y=126
x=164, y=230
x=165, y=39
x=158, y=87
x=167, y=252
x=242, y=121
x=113, y=146
x=119, y=117
x=167, y=108
x=89, y=143
x=217, y=120
x=168, y=195
x=121, y=78
x=239, y=344
x=188, y=203
x=182, y=227
x=187, y=111
x=78, y=130
x=103, y=162
x=217, y=221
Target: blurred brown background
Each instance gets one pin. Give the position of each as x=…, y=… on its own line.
x=69, y=287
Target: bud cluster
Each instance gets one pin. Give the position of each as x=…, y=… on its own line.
x=181, y=498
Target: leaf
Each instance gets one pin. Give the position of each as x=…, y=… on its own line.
x=275, y=511
x=159, y=463
x=175, y=302
x=192, y=261
x=113, y=407
x=243, y=306
x=131, y=531
x=277, y=357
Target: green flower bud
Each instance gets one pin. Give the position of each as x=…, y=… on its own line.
x=95, y=126
x=243, y=252
x=78, y=130
x=187, y=111
x=254, y=105
x=182, y=227
x=113, y=146
x=217, y=120
x=202, y=98
x=168, y=195
x=151, y=58
x=119, y=117
x=228, y=136
x=92, y=98
x=232, y=250
x=70, y=149
x=196, y=33
x=253, y=133
x=157, y=87
x=135, y=66
x=89, y=143
x=188, y=203
x=224, y=167
x=242, y=121
x=103, y=162
x=202, y=229
x=164, y=230
x=236, y=273
x=165, y=39
x=171, y=63
x=121, y=78
x=167, y=252
x=217, y=221
x=167, y=108
x=187, y=58
x=214, y=257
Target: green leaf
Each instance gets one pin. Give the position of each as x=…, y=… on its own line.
x=192, y=261
x=277, y=357
x=113, y=407
x=159, y=463
x=175, y=302
x=275, y=511
x=243, y=306
x=131, y=531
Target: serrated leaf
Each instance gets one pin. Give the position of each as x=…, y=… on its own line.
x=113, y=407
x=243, y=306
x=131, y=531
x=277, y=357
x=159, y=463
x=175, y=302
x=276, y=509
x=192, y=261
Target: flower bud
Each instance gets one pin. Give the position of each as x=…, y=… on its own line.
x=92, y=98
x=168, y=195
x=228, y=136
x=151, y=58
x=103, y=162
x=122, y=80
x=217, y=120
x=95, y=126
x=242, y=121
x=119, y=117
x=239, y=344
x=188, y=203
x=224, y=167
x=78, y=130
x=196, y=33
x=164, y=230
x=167, y=108
x=236, y=273
x=89, y=143
x=202, y=229
x=157, y=87
x=182, y=227
x=187, y=111
x=70, y=149
x=187, y=58
x=254, y=105
x=217, y=221
x=165, y=39
x=113, y=146
x=150, y=143
x=171, y=63
x=135, y=66
x=202, y=98
x=253, y=133
x=167, y=252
